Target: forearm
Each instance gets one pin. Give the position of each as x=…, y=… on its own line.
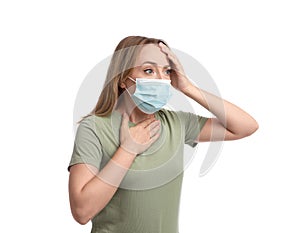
x=95, y=195
x=233, y=118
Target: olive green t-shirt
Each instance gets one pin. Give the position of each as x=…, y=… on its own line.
x=148, y=198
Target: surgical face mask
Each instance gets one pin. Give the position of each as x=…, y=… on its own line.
x=151, y=94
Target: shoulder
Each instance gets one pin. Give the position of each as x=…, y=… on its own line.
x=86, y=122
x=90, y=123
x=101, y=125
x=94, y=120
x=171, y=114
x=189, y=119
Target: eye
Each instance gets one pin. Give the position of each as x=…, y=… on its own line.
x=168, y=71
x=148, y=71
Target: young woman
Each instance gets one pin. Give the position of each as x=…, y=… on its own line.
x=127, y=164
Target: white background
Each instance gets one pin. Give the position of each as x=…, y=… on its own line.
x=250, y=48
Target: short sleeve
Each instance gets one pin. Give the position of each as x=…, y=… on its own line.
x=193, y=124
x=87, y=147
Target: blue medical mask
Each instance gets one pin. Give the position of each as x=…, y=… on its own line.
x=151, y=94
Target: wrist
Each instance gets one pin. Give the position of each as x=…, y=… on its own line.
x=127, y=151
x=187, y=89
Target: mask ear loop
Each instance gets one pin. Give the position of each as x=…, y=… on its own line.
x=126, y=87
x=131, y=79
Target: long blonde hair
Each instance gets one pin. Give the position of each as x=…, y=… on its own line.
x=120, y=67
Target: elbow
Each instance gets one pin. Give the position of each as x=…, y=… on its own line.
x=253, y=128
x=82, y=221
x=80, y=216
x=250, y=129
x=256, y=126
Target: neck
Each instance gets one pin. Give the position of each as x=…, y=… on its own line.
x=125, y=104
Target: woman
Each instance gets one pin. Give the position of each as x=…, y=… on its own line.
x=126, y=167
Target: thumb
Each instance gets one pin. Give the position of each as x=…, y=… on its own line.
x=125, y=119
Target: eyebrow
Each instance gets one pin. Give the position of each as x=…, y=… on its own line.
x=154, y=63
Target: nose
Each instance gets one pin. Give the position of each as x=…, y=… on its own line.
x=161, y=73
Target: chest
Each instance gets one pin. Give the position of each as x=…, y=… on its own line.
x=159, y=164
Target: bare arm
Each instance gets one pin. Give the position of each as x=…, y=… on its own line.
x=231, y=122
x=90, y=190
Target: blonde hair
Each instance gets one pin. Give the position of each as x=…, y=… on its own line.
x=120, y=67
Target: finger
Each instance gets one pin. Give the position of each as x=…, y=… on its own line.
x=154, y=130
x=154, y=138
x=147, y=122
x=125, y=119
x=175, y=64
x=165, y=49
x=153, y=124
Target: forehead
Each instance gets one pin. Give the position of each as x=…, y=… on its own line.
x=152, y=53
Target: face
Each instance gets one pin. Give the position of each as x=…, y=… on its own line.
x=151, y=63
